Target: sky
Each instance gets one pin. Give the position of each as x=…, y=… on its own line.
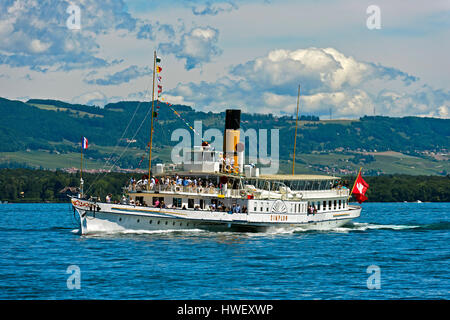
x=350, y=57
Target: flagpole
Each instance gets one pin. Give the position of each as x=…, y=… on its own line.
x=351, y=192
x=151, y=127
x=295, y=138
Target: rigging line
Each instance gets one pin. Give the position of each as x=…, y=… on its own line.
x=128, y=125
x=185, y=121
x=123, y=134
x=134, y=136
x=123, y=152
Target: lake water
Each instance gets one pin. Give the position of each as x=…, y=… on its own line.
x=407, y=246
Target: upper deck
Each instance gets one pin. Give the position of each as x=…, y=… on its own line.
x=221, y=185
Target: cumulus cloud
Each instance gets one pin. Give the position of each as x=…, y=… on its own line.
x=123, y=76
x=197, y=46
x=35, y=34
x=328, y=79
x=92, y=98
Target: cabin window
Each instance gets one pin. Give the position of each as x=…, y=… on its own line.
x=214, y=202
x=340, y=204
x=176, y=202
x=335, y=204
x=324, y=205
x=160, y=199
x=202, y=204
x=190, y=203
x=140, y=199
x=329, y=205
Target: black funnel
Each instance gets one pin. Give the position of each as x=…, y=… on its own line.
x=232, y=119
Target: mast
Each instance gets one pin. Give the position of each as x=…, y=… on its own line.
x=151, y=126
x=81, y=169
x=296, y=124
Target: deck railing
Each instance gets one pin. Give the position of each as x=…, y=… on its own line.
x=235, y=193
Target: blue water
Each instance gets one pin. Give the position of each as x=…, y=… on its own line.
x=409, y=242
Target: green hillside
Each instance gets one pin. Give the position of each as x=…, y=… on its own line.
x=46, y=133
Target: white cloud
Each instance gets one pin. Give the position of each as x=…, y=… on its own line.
x=97, y=98
x=34, y=33
x=213, y=8
x=196, y=46
x=328, y=79
x=38, y=47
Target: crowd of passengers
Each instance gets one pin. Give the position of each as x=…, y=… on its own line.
x=168, y=182
x=221, y=207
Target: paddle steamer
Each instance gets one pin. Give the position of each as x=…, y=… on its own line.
x=214, y=190
x=207, y=192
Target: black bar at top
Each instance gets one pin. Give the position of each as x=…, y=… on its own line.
x=232, y=119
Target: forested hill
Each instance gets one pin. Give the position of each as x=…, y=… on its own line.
x=58, y=127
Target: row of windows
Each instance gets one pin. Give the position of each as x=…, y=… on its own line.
x=302, y=207
x=329, y=205
x=167, y=223
x=178, y=203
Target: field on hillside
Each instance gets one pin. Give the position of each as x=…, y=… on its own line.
x=335, y=163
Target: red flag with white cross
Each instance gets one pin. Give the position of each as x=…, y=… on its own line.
x=359, y=189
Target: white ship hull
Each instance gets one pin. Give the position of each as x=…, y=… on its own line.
x=107, y=217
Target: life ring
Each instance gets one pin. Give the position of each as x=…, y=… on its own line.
x=242, y=193
x=228, y=167
x=200, y=189
x=177, y=189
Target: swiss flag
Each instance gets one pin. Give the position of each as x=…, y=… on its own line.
x=360, y=188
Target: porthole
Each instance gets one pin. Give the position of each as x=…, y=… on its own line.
x=174, y=223
x=159, y=222
x=167, y=222
x=137, y=220
x=120, y=219
x=150, y=221
x=180, y=223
